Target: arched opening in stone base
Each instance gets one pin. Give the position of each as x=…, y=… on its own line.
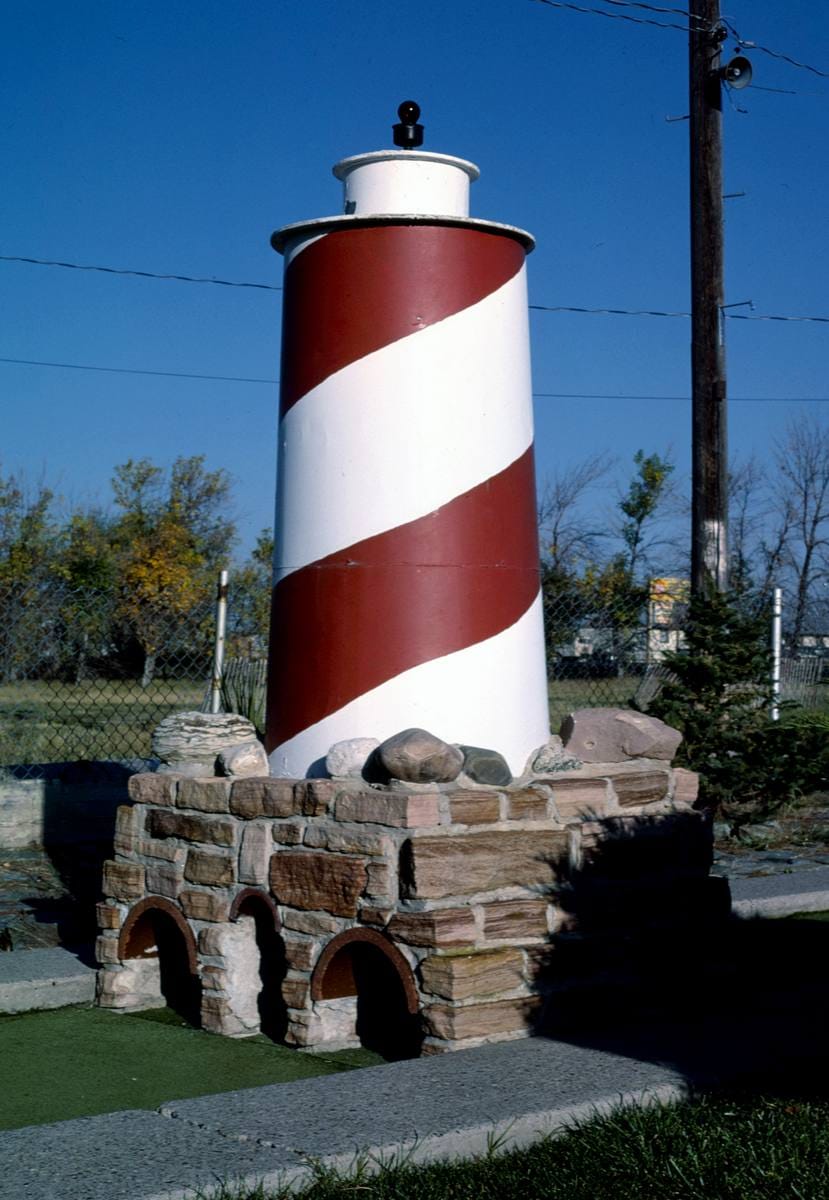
x=271, y=969
x=156, y=945
x=364, y=992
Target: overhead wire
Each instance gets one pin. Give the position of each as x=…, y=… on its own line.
x=617, y=16
x=755, y=87
x=654, y=8
x=772, y=317
x=34, y=362
x=552, y=308
x=609, y=312
x=49, y=262
x=654, y=312
x=746, y=44
x=694, y=23
x=630, y=396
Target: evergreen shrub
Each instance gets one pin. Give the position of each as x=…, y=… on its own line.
x=719, y=697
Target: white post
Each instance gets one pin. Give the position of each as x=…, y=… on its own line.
x=776, y=642
x=219, y=650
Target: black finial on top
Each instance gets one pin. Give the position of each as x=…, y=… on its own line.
x=408, y=133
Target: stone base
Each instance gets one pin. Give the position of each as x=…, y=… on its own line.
x=333, y=913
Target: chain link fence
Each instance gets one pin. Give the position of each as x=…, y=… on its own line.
x=614, y=653
x=80, y=681
x=610, y=653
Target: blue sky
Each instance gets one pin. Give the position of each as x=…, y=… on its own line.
x=175, y=137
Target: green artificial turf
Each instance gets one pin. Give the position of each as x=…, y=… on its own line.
x=75, y=1062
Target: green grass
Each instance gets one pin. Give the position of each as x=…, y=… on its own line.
x=42, y=722
x=75, y=1062
x=710, y=1148
x=95, y=719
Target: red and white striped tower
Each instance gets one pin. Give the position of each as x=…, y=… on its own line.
x=406, y=584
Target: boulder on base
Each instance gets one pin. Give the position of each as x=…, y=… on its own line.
x=608, y=735
x=346, y=759
x=246, y=759
x=199, y=738
x=417, y=756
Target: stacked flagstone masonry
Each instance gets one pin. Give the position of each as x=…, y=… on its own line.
x=462, y=889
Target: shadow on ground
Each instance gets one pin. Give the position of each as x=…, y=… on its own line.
x=48, y=898
x=649, y=963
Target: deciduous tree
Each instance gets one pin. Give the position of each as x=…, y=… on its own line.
x=802, y=461
x=28, y=535
x=249, y=607
x=570, y=539
x=173, y=533
x=585, y=580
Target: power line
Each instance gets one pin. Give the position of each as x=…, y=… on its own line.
x=610, y=312
x=687, y=399
x=693, y=23
x=769, y=317
x=34, y=362
x=653, y=312
x=552, y=308
x=755, y=87
x=614, y=16
x=48, y=262
x=654, y=8
x=793, y=62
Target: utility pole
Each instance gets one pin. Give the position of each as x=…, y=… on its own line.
x=709, y=478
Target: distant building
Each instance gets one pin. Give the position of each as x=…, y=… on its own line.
x=811, y=651
x=667, y=611
x=814, y=634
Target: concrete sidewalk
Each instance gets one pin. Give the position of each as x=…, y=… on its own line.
x=434, y=1107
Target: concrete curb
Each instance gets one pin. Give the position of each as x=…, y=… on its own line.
x=477, y=1141
x=781, y=895
x=37, y=979
x=781, y=906
x=459, y=1105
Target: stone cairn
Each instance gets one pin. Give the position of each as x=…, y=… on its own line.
x=430, y=857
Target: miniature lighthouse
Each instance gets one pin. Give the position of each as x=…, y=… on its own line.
x=406, y=581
